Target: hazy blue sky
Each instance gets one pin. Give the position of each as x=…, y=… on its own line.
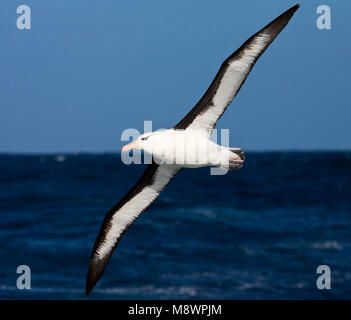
x=89, y=69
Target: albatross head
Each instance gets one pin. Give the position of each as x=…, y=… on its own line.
x=140, y=143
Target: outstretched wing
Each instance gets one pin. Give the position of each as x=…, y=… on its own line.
x=123, y=214
x=232, y=75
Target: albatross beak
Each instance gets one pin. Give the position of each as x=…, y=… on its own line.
x=133, y=145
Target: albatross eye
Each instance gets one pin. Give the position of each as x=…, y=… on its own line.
x=144, y=138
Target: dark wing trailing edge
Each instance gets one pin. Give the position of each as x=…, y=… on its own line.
x=123, y=214
x=232, y=75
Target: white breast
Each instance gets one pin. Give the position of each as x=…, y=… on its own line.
x=187, y=148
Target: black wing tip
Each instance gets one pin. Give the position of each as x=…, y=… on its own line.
x=295, y=7
x=292, y=10
x=91, y=278
x=88, y=289
x=96, y=269
x=287, y=15
x=279, y=23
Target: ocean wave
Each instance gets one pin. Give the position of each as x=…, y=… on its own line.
x=327, y=245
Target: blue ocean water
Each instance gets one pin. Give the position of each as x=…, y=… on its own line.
x=256, y=233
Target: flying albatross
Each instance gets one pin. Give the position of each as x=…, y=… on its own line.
x=193, y=132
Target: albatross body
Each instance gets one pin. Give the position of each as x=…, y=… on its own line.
x=186, y=145
x=187, y=148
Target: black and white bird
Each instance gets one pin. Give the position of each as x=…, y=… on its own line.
x=170, y=148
